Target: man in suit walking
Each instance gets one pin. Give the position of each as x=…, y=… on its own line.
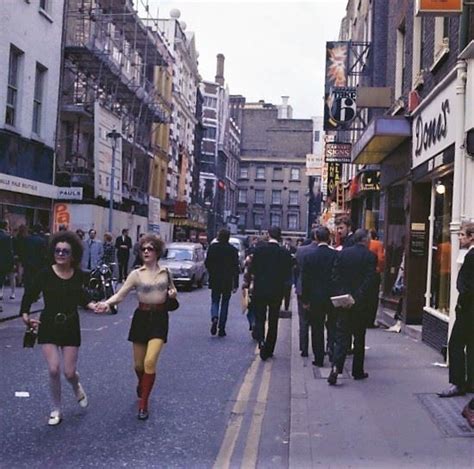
x=93, y=251
x=222, y=263
x=316, y=289
x=271, y=266
x=353, y=274
x=123, y=244
x=461, y=341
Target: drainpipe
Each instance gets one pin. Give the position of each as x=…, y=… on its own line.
x=458, y=182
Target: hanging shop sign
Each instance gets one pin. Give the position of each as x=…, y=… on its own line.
x=336, y=152
x=340, y=108
x=334, y=176
x=369, y=181
x=438, y=7
x=314, y=164
x=433, y=126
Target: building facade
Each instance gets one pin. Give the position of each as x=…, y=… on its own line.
x=272, y=185
x=29, y=92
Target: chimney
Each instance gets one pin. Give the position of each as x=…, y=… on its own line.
x=285, y=111
x=220, y=69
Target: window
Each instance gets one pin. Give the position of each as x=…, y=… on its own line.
x=244, y=172
x=441, y=39
x=276, y=197
x=293, y=198
x=210, y=102
x=38, y=98
x=417, y=51
x=242, y=219
x=242, y=195
x=295, y=174
x=210, y=132
x=278, y=174
x=259, y=196
x=293, y=221
x=44, y=5
x=275, y=219
x=260, y=172
x=13, y=86
x=317, y=135
x=400, y=62
x=257, y=220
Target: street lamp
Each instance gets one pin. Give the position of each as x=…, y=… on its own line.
x=113, y=136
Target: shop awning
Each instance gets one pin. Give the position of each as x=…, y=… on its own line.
x=380, y=138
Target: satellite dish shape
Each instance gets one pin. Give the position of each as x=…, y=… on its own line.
x=175, y=13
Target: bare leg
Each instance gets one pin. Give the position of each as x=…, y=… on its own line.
x=70, y=355
x=139, y=352
x=52, y=357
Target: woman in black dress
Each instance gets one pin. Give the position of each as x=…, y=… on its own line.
x=149, y=329
x=58, y=327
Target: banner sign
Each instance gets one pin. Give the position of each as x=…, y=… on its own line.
x=154, y=214
x=439, y=7
x=337, y=152
x=314, y=164
x=339, y=99
x=70, y=193
x=334, y=176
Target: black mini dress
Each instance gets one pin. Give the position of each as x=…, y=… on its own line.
x=147, y=325
x=59, y=319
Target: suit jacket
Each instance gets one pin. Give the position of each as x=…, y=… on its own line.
x=122, y=252
x=222, y=263
x=349, y=241
x=35, y=252
x=6, y=252
x=271, y=267
x=317, y=268
x=465, y=285
x=301, y=253
x=354, y=272
x=95, y=249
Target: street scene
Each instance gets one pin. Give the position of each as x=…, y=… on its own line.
x=237, y=234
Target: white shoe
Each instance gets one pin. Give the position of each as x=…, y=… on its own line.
x=55, y=418
x=82, y=397
x=397, y=327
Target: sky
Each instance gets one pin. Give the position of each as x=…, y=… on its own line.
x=271, y=48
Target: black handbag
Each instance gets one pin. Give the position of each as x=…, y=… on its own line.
x=29, y=339
x=172, y=304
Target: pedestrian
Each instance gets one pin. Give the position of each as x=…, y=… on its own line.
x=247, y=293
x=353, y=274
x=461, y=341
x=123, y=244
x=136, y=252
x=58, y=326
x=288, y=245
x=149, y=328
x=80, y=234
x=108, y=256
x=19, y=251
x=376, y=246
x=6, y=255
x=93, y=251
x=35, y=255
x=345, y=232
x=317, y=265
x=222, y=263
x=271, y=266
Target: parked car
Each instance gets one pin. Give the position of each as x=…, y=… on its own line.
x=186, y=263
x=239, y=245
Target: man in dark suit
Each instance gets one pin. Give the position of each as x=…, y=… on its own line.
x=317, y=267
x=123, y=244
x=222, y=263
x=6, y=253
x=353, y=274
x=35, y=255
x=461, y=341
x=271, y=266
x=345, y=231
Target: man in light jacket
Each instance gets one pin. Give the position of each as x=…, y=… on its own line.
x=93, y=252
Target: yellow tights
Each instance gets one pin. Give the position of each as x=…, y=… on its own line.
x=145, y=356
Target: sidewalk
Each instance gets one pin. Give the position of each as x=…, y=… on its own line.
x=391, y=420
x=11, y=308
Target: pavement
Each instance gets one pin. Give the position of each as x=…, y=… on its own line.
x=11, y=306
x=393, y=419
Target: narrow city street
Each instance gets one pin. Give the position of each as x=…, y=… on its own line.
x=216, y=403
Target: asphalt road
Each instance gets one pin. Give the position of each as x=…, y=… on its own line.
x=215, y=403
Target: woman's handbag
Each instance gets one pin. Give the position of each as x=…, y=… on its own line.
x=172, y=304
x=29, y=339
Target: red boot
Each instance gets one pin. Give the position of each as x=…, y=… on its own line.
x=139, y=374
x=148, y=380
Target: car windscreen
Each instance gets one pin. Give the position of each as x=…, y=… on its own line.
x=179, y=254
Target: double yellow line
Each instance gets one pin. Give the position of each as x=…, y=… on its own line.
x=249, y=459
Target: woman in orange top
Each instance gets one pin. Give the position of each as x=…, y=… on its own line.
x=376, y=246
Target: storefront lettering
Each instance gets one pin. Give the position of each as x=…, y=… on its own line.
x=428, y=133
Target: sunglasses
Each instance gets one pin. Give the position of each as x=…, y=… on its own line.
x=62, y=252
x=147, y=248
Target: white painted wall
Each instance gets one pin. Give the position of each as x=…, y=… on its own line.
x=38, y=35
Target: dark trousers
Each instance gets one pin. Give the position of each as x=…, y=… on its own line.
x=373, y=300
x=272, y=305
x=350, y=322
x=330, y=332
x=304, y=327
x=316, y=317
x=220, y=306
x=461, y=351
x=287, y=297
x=122, y=268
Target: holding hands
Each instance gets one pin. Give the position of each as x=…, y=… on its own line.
x=101, y=307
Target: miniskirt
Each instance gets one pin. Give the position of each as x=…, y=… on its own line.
x=148, y=325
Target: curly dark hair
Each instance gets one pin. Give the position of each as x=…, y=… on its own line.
x=73, y=240
x=156, y=242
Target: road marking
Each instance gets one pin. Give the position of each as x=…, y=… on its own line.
x=237, y=415
x=253, y=437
